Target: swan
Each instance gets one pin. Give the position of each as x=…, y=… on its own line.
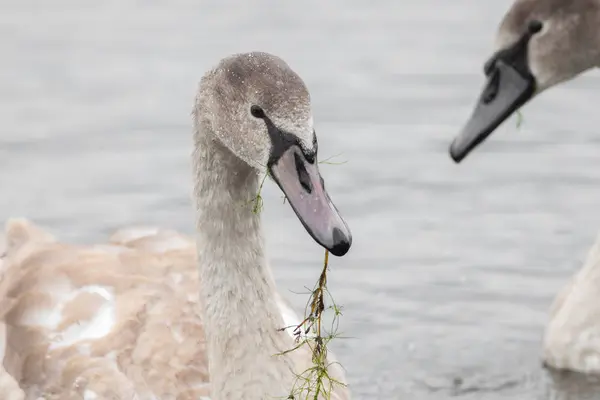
x=154, y=314
x=572, y=337
x=540, y=44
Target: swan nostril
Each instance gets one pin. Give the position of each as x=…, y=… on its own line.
x=303, y=174
x=491, y=90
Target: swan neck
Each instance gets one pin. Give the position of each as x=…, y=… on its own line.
x=238, y=297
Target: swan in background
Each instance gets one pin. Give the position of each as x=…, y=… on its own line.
x=541, y=43
x=153, y=315
x=572, y=337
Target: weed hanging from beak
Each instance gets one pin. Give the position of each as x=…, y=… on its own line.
x=316, y=381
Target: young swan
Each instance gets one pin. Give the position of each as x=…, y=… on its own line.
x=253, y=116
x=540, y=44
x=148, y=317
x=572, y=337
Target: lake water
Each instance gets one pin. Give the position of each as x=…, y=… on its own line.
x=447, y=287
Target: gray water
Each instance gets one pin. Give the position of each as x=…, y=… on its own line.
x=453, y=268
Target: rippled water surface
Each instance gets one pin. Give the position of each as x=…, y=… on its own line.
x=453, y=268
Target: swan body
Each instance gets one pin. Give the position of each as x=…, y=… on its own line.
x=119, y=320
x=572, y=337
x=155, y=314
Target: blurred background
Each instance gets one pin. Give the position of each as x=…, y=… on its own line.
x=453, y=268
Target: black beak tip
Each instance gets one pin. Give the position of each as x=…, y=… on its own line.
x=341, y=242
x=456, y=154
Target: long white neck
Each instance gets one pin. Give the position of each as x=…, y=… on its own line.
x=241, y=316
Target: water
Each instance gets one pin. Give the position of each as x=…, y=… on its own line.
x=453, y=268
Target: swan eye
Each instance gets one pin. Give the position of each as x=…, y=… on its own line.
x=257, y=112
x=534, y=26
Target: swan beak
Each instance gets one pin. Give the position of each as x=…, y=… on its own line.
x=505, y=91
x=304, y=188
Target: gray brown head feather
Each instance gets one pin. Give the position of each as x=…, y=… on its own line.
x=239, y=81
x=568, y=44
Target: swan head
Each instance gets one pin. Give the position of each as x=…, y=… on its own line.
x=539, y=44
x=259, y=108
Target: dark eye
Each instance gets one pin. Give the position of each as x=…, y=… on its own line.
x=257, y=112
x=534, y=26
